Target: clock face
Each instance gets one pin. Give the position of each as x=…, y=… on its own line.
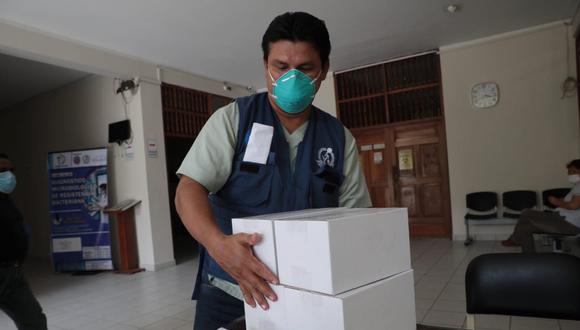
x=484, y=95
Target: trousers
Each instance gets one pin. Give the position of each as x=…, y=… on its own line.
x=531, y=222
x=18, y=301
x=215, y=308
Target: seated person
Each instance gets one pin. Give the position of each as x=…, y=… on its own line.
x=566, y=219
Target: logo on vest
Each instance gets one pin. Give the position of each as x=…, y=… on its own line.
x=325, y=157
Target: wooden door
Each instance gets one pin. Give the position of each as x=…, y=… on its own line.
x=421, y=180
x=375, y=159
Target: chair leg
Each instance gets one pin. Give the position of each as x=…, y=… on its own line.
x=468, y=239
x=470, y=322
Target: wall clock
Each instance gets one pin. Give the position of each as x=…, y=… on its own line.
x=484, y=95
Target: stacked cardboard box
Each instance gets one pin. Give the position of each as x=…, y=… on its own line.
x=338, y=269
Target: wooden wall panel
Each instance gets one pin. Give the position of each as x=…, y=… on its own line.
x=185, y=111
x=398, y=91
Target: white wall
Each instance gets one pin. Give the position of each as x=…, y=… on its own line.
x=325, y=99
x=73, y=117
x=525, y=141
x=76, y=117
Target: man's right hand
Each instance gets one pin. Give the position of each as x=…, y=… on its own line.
x=234, y=254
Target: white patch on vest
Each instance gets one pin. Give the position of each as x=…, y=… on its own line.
x=259, y=143
x=325, y=157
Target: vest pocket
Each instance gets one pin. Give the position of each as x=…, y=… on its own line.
x=249, y=184
x=325, y=187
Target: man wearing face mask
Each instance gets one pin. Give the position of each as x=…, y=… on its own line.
x=266, y=153
x=16, y=298
x=566, y=219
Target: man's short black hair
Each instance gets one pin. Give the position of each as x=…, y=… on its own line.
x=298, y=26
x=4, y=156
x=574, y=163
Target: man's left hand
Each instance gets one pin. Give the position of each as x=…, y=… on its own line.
x=556, y=201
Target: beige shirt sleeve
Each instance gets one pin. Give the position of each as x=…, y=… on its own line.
x=353, y=191
x=209, y=161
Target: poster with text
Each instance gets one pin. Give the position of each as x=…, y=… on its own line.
x=80, y=237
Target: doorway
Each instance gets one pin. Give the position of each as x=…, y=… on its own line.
x=185, y=111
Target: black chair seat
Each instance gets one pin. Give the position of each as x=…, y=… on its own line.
x=470, y=216
x=533, y=285
x=511, y=215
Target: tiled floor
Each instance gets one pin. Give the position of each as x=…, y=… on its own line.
x=440, y=267
x=160, y=300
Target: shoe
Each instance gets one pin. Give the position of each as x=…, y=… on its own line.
x=510, y=243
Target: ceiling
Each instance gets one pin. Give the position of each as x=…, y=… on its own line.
x=220, y=39
x=22, y=79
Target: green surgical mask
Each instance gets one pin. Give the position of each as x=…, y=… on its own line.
x=294, y=91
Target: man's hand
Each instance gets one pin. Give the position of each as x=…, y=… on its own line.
x=555, y=201
x=234, y=254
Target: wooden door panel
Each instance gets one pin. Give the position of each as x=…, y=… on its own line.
x=378, y=166
x=409, y=199
x=378, y=196
x=432, y=202
x=430, y=160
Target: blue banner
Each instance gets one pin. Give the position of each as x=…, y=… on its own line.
x=77, y=182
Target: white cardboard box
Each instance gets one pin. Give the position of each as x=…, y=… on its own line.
x=264, y=225
x=388, y=304
x=332, y=251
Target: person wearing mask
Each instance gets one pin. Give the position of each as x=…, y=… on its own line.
x=266, y=153
x=16, y=298
x=565, y=220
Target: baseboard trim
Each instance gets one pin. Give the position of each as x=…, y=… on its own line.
x=160, y=266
